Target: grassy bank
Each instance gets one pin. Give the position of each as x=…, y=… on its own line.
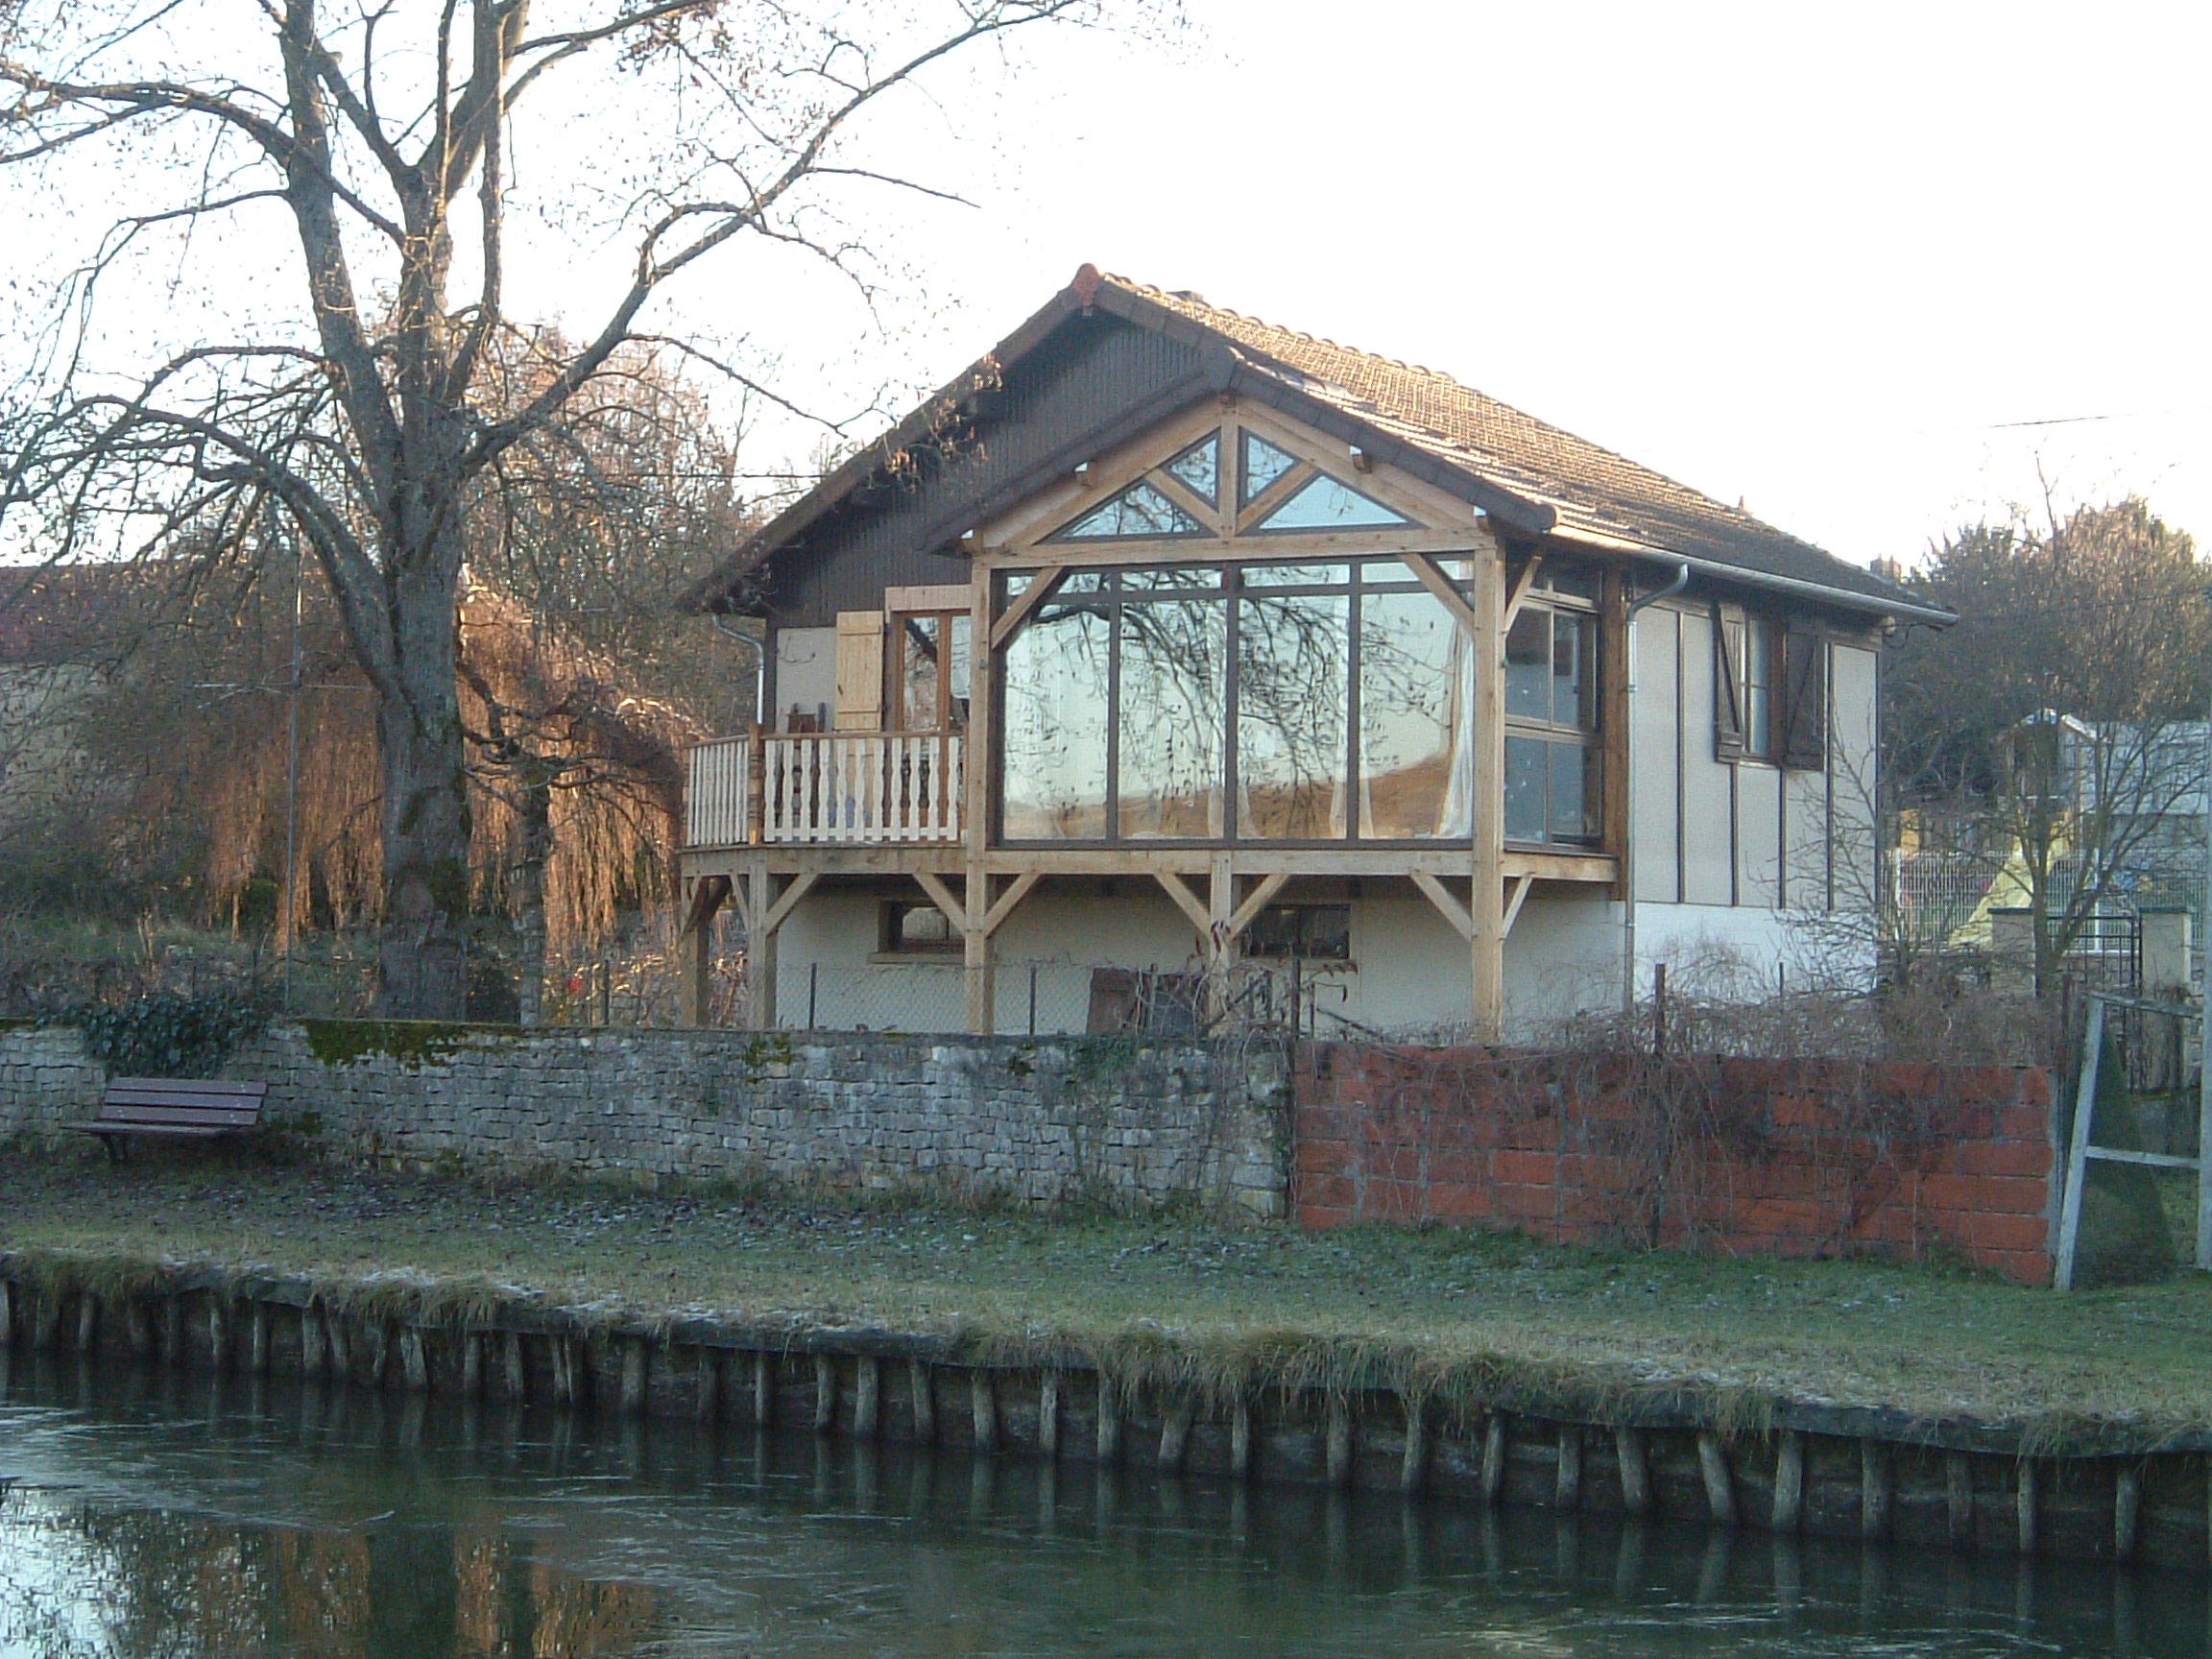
x=1479, y=1313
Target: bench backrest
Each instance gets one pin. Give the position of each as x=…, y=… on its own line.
x=184, y=1103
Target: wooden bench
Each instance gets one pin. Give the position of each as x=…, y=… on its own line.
x=173, y=1110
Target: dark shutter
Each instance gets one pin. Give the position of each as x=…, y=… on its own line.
x=1727, y=693
x=1805, y=701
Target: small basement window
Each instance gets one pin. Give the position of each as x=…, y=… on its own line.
x=1316, y=933
x=915, y=928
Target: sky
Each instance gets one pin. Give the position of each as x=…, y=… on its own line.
x=1875, y=271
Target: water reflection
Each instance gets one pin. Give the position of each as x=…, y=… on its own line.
x=155, y=1516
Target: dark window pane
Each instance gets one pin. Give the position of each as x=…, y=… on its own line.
x=1139, y=509
x=1324, y=504
x=1172, y=579
x=1293, y=657
x=1199, y=468
x=1264, y=463
x=1528, y=665
x=1056, y=713
x=1573, y=812
x=1416, y=697
x=1527, y=768
x=1173, y=683
x=1573, y=664
x=921, y=650
x=1568, y=576
x=1318, y=932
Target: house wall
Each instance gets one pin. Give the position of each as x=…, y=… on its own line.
x=806, y=675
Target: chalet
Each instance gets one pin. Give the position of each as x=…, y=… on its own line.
x=1167, y=640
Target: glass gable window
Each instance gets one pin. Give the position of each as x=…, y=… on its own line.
x=1057, y=701
x=1324, y=504
x=1294, y=656
x=1139, y=511
x=1199, y=469
x=1262, y=464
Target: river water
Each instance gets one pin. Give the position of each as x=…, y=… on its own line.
x=176, y=1516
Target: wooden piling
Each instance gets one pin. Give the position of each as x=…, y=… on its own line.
x=338, y=1340
x=257, y=1320
x=218, y=1332
x=867, y=1397
x=473, y=1365
x=1413, y=1465
x=137, y=1326
x=86, y=1337
x=1875, y=1484
x=564, y=1372
x=7, y=1312
x=705, y=1384
x=634, y=1362
x=46, y=1321
x=1493, y=1459
x=514, y=1371
x=1567, y=1489
x=1175, y=1434
x=314, y=1341
x=1049, y=1416
x=1719, y=1489
x=1240, y=1459
x=1788, y=1482
x=2024, y=1505
x=824, y=1393
x=764, y=1389
x=2126, y=1510
x=1109, y=1419
x=921, y=1396
x=1957, y=1499
x=1635, y=1462
x=414, y=1360
x=1337, y=1440
x=983, y=1408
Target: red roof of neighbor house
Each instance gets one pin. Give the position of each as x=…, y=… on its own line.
x=1539, y=477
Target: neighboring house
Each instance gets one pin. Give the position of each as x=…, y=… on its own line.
x=1166, y=640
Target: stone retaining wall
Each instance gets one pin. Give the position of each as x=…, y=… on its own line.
x=1043, y=1122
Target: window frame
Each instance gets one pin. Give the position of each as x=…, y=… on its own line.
x=1589, y=738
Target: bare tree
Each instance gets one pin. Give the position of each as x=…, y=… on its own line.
x=2059, y=717
x=386, y=139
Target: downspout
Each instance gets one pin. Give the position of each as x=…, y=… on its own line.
x=1628, y=748
x=757, y=647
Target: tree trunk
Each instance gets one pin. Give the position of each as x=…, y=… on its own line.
x=422, y=956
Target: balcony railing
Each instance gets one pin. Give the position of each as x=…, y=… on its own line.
x=843, y=788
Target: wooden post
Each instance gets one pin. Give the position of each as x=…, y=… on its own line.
x=824, y=1393
x=1567, y=1489
x=2126, y=1510
x=867, y=1394
x=707, y=1382
x=1240, y=1459
x=473, y=1365
x=257, y=1341
x=87, y=1333
x=1175, y=1434
x=1413, y=1467
x=978, y=974
x=764, y=1389
x=1109, y=1419
x=696, y=949
x=634, y=1362
x=1220, y=933
x=1958, y=1499
x=2024, y=1507
x=1874, y=1488
x=760, y=946
x=923, y=1396
x=515, y=1375
x=414, y=1363
x=983, y=1406
x=1487, y=909
x=312, y=1355
x=1493, y=1459
x=1339, y=1441
x=1049, y=1416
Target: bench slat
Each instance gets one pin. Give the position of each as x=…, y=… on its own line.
x=195, y=1086
x=182, y=1102
x=180, y=1132
x=207, y=1116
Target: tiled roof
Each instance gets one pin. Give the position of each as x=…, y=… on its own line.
x=1593, y=490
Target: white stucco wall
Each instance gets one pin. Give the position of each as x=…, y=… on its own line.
x=805, y=674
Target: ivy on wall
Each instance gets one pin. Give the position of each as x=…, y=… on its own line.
x=165, y=1035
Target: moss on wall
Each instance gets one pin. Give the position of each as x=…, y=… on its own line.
x=412, y=1043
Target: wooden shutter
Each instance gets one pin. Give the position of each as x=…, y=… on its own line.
x=1727, y=691
x=859, y=671
x=1805, y=699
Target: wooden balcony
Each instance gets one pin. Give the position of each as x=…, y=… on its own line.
x=842, y=788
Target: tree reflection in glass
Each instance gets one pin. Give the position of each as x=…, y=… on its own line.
x=1057, y=712
x=1174, y=658
x=1416, y=698
x=1293, y=657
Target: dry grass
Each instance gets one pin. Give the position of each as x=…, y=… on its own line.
x=1466, y=1314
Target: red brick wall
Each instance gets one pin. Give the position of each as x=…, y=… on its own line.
x=1733, y=1157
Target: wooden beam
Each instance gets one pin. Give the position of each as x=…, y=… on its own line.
x=1487, y=906
x=1521, y=886
x=1186, y=901
x=1522, y=583
x=941, y=896
x=760, y=952
x=1027, y=600
x=1004, y=906
x=1256, y=901
x=1451, y=908
x=1424, y=566
x=789, y=900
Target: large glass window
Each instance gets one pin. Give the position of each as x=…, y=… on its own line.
x=1293, y=663
x=1416, y=742
x=1058, y=700
x=1287, y=702
x=1553, y=778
